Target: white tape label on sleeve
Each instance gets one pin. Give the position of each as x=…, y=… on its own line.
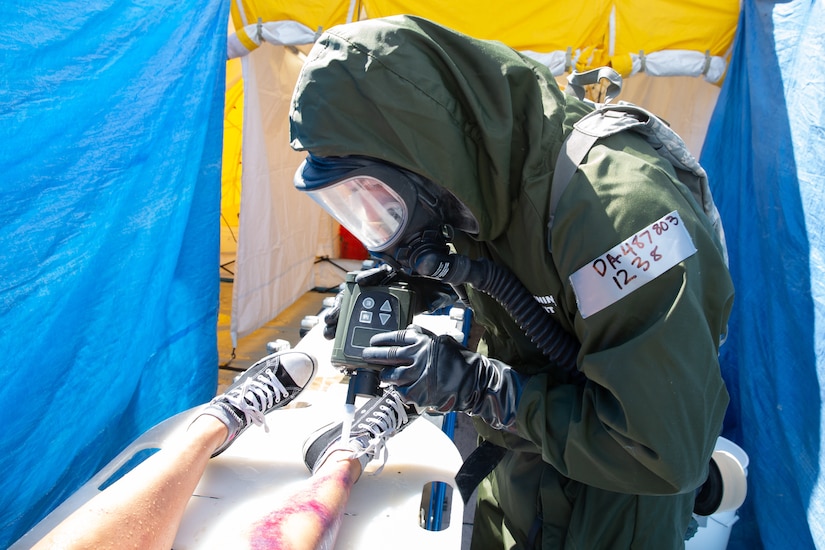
x=629, y=265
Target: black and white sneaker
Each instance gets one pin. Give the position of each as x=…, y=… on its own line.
x=375, y=422
x=267, y=385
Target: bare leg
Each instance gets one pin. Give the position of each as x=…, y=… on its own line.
x=310, y=518
x=143, y=509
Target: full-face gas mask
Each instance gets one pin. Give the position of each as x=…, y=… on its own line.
x=408, y=221
x=387, y=208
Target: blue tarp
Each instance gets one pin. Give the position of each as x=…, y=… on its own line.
x=765, y=154
x=111, y=116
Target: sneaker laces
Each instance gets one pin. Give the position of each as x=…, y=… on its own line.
x=257, y=395
x=381, y=426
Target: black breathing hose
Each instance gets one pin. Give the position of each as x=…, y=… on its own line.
x=500, y=284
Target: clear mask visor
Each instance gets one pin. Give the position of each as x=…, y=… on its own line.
x=368, y=208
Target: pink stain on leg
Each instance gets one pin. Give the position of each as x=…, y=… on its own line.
x=268, y=533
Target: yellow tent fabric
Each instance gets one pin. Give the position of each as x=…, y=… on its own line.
x=660, y=37
x=534, y=25
x=699, y=25
x=312, y=13
x=623, y=34
x=294, y=22
x=231, y=163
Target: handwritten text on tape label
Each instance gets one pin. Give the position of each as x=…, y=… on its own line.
x=629, y=265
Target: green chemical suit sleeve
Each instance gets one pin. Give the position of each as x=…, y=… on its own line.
x=651, y=410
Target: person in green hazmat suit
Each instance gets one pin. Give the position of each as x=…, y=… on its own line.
x=421, y=138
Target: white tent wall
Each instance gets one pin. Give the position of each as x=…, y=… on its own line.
x=283, y=233
x=685, y=102
x=279, y=234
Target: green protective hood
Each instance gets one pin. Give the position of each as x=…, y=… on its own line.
x=473, y=116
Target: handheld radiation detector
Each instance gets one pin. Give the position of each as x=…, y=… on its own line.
x=365, y=312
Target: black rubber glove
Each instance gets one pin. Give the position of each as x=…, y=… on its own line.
x=331, y=316
x=431, y=294
x=437, y=372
